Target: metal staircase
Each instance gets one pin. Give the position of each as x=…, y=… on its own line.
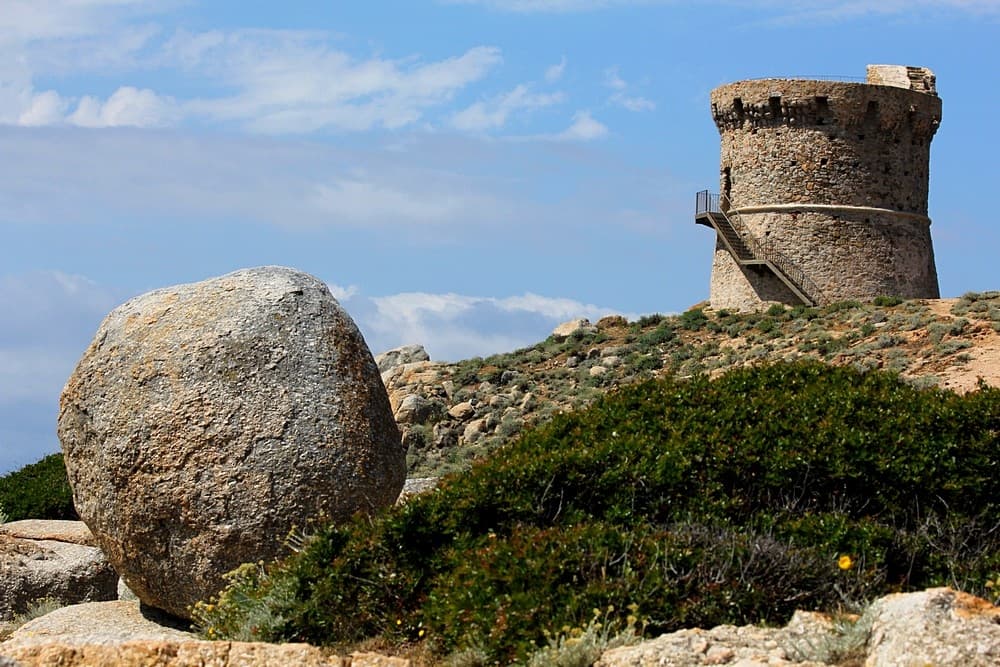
x=749, y=251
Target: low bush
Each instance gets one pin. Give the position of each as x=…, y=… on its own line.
x=699, y=502
x=664, y=333
x=693, y=319
x=38, y=491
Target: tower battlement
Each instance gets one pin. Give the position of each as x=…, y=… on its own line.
x=833, y=177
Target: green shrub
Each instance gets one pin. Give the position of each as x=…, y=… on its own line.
x=701, y=502
x=887, y=301
x=38, y=491
x=693, y=319
x=776, y=310
x=650, y=320
x=840, y=306
x=664, y=333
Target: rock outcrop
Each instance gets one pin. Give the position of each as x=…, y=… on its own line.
x=939, y=627
x=407, y=354
x=120, y=633
x=580, y=326
x=50, y=560
x=206, y=420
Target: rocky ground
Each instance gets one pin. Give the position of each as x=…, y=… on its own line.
x=452, y=413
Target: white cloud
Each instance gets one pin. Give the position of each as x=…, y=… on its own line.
x=362, y=199
x=584, y=128
x=71, y=176
x=455, y=326
x=46, y=108
x=613, y=80
x=494, y=113
x=633, y=103
x=343, y=293
x=127, y=107
x=806, y=9
x=293, y=82
x=619, y=97
x=27, y=20
x=275, y=81
x=555, y=72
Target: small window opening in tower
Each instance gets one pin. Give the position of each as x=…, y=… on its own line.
x=823, y=161
x=775, y=102
x=727, y=184
x=822, y=109
x=738, y=107
x=871, y=113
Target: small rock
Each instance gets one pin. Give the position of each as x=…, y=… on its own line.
x=507, y=377
x=528, y=402
x=124, y=592
x=415, y=409
x=32, y=569
x=611, y=322
x=572, y=361
x=475, y=430
x=498, y=401
x=74, y=532
x=462, y=411
x=415, y=486
x=445, y=436
x=597, y=371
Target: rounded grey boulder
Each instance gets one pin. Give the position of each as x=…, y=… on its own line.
x=207, y=420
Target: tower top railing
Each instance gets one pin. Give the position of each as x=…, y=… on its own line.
x=811, y=77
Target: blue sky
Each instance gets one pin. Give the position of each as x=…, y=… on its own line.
x=465, y=174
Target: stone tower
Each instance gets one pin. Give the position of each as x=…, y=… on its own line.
x=823, y=193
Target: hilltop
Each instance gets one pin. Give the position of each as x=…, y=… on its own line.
x=451, y=413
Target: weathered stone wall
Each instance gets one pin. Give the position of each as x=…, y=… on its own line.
x=835, y=175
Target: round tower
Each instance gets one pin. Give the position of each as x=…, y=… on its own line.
x=823, y=193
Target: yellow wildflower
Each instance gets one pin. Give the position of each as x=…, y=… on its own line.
x=845, y=562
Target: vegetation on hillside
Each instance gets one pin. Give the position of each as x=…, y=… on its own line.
x=676, y=503
x=38, y=491
x=911, y=338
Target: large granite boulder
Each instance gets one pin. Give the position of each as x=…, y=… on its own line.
x=54, y=560
x=206, y=420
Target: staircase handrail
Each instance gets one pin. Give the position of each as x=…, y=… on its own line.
x=765, y=251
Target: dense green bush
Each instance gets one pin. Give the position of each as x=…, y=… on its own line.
x=700, y=502
x=887, y=301
x=693, y=319
x=38, y=491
